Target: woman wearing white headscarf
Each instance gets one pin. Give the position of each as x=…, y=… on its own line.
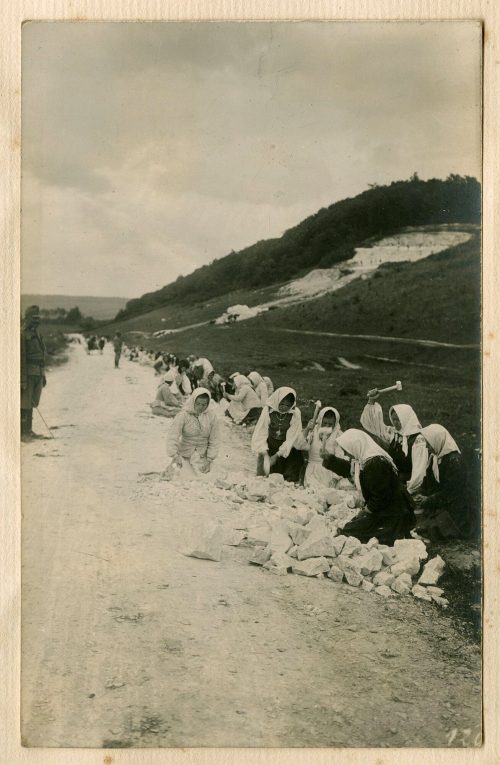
x=390, y=513
x=447, y=511
x=317, y=442
x=244, y=405
x=278, y=435
x=194, y=435
x=260, y=387
x=167, y=402
x=402, y=439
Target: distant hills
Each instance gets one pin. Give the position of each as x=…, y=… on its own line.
x=98, y=307
x=328, y=237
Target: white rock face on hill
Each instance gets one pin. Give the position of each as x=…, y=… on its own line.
x=239, y=313
x=407, y=246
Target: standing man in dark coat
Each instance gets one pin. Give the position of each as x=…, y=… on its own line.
x=33, y=378
x=117, y=345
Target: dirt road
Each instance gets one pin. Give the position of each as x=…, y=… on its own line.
x=128, y=642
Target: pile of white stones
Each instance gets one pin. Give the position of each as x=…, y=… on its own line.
x=300, y=531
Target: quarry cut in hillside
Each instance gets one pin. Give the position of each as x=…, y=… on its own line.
x=410, y=245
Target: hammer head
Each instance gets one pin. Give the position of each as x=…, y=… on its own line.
x=398, y=385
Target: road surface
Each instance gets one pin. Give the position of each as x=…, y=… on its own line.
x=128, y=642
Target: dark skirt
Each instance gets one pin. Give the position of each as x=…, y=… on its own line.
x=389, y=508
x=448, y=511
x=252, y=416
x=290, y=467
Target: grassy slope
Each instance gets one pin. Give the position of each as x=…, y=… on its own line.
x=329, y=236
x=437, y=298
x=187, y=313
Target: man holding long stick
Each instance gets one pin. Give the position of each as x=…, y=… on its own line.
x=33, y=378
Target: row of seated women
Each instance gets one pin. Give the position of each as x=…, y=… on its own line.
x=420, y=469
x=241, y=397
x=402, y=467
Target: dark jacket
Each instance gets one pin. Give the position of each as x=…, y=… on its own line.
x=32, y=354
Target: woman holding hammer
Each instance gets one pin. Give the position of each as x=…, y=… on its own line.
x=402, y=439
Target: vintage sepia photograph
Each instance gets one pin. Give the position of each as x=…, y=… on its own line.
x=250, y=384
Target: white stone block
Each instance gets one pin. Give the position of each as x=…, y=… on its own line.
x=433, y=571
x=311, y=566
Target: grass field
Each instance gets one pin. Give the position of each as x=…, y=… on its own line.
x=174, y=315
x=437, y=298
x=441, y=384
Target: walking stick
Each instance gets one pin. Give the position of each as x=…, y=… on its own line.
x=39, y=412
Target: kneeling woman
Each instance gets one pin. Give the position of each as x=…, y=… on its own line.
x=390, y=513
x=276, y=434
x=447, y=511
x=193, y=438
x=244, y=405
x=167, y=403
x=317, y=439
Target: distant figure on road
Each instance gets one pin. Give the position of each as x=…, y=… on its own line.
x=117, y=345
x=33, y=378
x=102, y=343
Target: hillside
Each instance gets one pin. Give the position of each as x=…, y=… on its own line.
x=97, y=307
x=323, y=240
x=437, y=298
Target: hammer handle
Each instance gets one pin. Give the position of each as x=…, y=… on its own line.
x=391, y=387
x=316, y=412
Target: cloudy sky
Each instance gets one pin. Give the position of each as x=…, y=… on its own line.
x=150, y=149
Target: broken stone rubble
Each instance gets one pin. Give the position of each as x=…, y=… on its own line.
x=291, y=522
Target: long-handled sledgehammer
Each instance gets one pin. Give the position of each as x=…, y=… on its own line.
x=376, y=391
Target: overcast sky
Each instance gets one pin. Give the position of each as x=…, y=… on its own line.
x=150, y=149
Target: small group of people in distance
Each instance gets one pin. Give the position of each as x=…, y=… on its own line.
x=409, y=476
x=95, y=343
